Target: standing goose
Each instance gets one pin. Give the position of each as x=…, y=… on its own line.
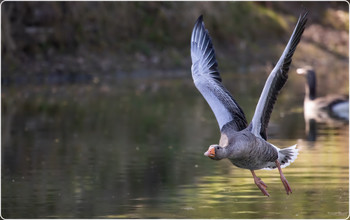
x=245, y=146
x=331, y=109
x=324, y=108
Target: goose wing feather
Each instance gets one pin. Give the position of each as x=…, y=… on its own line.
x=207, y=79
x=276, y=81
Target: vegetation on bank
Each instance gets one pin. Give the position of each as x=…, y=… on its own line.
x=105, y=37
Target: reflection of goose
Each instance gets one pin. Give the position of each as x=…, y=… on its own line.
x=245, y=146
x=329, y=108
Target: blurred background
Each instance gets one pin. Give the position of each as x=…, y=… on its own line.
x=100, y=117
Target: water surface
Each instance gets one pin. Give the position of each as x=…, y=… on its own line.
x=133, y=148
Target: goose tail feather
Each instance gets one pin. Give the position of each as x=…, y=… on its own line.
x=286, y=156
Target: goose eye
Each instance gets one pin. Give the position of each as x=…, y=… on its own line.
x=217, y=147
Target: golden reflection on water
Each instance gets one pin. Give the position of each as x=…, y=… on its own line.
x=94, y=156
x=319, y=174
x=319, y=180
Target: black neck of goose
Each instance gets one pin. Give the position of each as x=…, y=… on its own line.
x=310, y=87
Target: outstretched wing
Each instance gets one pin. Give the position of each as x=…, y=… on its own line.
x=207, y=79
x=275, y=82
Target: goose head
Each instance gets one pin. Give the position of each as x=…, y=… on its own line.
x=310, y=86
x=216, y=152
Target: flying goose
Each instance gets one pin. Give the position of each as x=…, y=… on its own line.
x=244, y=145
x=324, y=108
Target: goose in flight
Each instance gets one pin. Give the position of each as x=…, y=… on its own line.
x=244, y=145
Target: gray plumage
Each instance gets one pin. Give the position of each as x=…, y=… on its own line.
x=275, y=82
x=245, y=146
x=207, y=79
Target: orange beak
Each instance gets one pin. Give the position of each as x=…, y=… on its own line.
x=210, y=152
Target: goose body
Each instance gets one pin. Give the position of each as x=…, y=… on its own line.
x=246, y=146
x=322, y=109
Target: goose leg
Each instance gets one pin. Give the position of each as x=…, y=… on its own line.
x=261, y=185
x=283, y=179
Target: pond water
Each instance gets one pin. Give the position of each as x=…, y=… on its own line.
x=133, y=148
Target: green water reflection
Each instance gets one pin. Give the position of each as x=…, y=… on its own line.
x=134, y=149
